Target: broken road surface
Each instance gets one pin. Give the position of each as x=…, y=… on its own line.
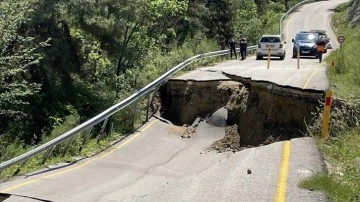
x=157, y=164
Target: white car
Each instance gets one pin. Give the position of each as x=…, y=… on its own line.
x=270, y=44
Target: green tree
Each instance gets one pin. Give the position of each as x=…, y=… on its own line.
x=127, y=28
x=220, y=21
x=19, y=54
x=166, y=22
x=271, y=18
x=194, y=22
x=102, y=50
x=246, y=20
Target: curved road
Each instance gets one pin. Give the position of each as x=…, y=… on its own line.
x=308, y=73
x=156, y=164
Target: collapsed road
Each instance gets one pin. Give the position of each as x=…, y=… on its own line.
x=217, y=112
x=257, y=112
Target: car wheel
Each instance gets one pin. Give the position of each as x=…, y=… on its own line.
x=282, y=57
x=259, y=57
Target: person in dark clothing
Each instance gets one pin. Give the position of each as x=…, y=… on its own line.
x=320, y=47
x=243, y=47
x=232, y=45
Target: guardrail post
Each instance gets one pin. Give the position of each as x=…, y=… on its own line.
x=68, y=145
x=102, y=129
x=268, y=62
x=47, y=154
x=134, y=112
x=20, y=166
x=151, y=101
x=111, y=127
x=86, y=138
x=147, y=107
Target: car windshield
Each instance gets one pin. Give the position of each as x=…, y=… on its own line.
x=306, y=37
x=270, y=39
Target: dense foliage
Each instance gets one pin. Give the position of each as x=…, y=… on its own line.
x=62, y=57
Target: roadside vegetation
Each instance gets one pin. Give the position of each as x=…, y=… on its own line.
x=345, y=76
x=342, y=149
x=63, y=62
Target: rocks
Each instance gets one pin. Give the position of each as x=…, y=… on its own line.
x=190, y=131
x=231, y=141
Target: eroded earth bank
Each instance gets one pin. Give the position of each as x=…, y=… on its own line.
x=258, y=113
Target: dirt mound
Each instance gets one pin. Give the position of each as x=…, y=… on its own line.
x=184, y=131
x=231, y=141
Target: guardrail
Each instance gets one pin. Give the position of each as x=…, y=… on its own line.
x=104, y=116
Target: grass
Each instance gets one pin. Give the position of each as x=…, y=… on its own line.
x=92, y=147
x=345, y=77
x=333, y=189
x=342, y=152
x=60, y=153
x=342, y=183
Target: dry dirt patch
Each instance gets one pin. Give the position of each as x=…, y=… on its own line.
x=184, y=131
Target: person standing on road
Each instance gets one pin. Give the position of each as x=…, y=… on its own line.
x=232, y=45
x=243, y=47
x=320, y=47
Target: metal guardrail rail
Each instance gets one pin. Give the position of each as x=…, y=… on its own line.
x=88, y=125
x=103, y=117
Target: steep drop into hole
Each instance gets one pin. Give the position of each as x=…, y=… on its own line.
x=257, y=112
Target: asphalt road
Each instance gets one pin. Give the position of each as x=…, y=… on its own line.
x=305, y=73
x=156, y=164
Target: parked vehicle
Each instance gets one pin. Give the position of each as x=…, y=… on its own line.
x=322, y=33
x=273, y=44
x=305, y=43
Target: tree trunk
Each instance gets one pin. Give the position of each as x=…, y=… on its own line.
x=286, y=5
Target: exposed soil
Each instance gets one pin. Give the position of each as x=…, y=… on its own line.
x=345, y=115
x=259, y=113
x=231, y=141
x=184, y=131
